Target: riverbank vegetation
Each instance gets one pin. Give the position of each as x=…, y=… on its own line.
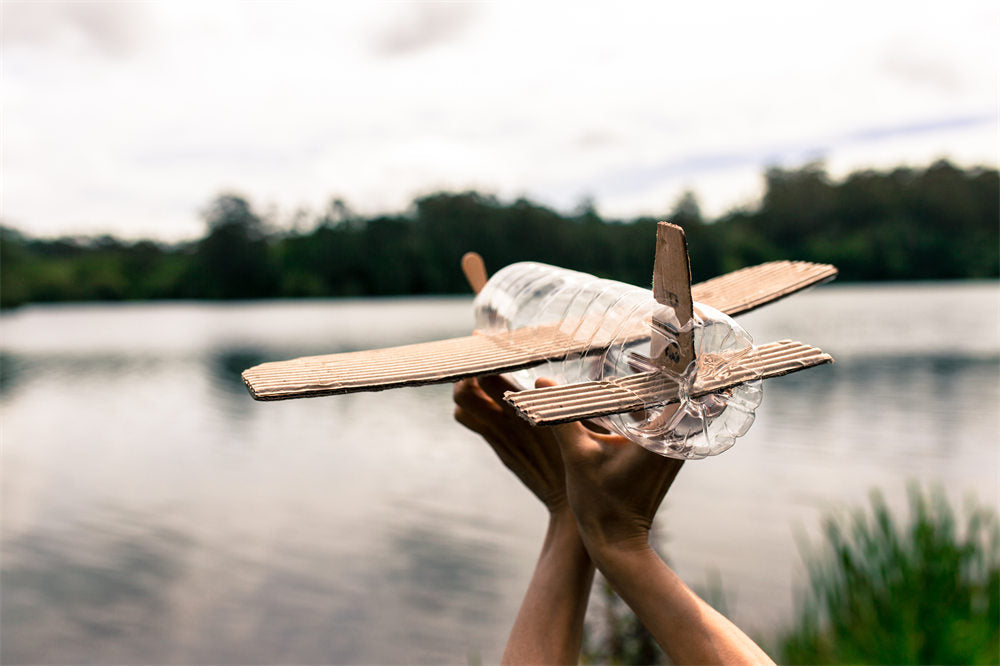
x=939, y=222
x=884, y=591
x=881, y=590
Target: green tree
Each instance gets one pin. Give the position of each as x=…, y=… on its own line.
x=232, y=260
x=905, y=224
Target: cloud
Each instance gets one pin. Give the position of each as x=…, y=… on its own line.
x=112, y=29
x=625, y=191
x=376, y=102
x=418, y=27
x=916, y=66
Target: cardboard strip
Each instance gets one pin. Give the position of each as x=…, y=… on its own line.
x=749, y=288
x=562, y=404
x=424, y=363
x=410, y=365
x=672, y=350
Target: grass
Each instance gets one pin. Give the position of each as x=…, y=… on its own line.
x=888, y=592
x=882, y=590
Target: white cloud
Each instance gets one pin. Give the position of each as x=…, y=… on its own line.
x=421, y=25
x=293, y=103
x=110, y=29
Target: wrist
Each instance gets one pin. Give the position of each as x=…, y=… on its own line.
x=562, y=528
x=613, y=533
x=622, y=549
x=562, y=539
x=628, y=569
x=560, y=515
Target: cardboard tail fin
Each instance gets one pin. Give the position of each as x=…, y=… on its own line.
x=673, y=348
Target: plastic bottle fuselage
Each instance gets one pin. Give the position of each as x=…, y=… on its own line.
x=612, y=321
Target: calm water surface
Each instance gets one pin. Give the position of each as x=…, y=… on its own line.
x=153, y=513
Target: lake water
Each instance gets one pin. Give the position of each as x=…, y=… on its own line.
x=153, y=513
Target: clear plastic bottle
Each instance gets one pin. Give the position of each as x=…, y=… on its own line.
x=613, y=319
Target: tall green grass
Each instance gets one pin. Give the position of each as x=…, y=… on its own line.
x=881, y=590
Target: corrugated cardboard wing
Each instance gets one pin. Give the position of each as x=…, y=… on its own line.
x=450, y=360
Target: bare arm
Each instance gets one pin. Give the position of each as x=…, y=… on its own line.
x=688, y=629
x=614, y=488
x=549, y=625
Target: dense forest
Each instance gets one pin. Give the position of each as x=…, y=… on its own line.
x=936, y=223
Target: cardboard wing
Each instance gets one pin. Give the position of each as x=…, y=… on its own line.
x=450, y=360
x=412, y=365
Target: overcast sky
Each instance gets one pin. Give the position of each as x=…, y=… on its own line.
x=128, y=117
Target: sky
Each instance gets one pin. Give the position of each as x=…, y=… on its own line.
x=128, y=118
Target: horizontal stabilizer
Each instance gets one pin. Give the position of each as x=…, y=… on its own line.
x=717, y=372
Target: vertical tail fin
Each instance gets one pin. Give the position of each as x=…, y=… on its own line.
x=674, y=348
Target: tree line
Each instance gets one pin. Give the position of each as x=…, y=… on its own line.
x=933, y=223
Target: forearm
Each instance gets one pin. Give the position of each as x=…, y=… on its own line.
x=549, y=625
x=688, y=629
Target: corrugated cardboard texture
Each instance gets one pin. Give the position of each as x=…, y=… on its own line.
x=587, y=400
x=425, y=363
x=449, y=360
x=749, y=288
x=672, y=288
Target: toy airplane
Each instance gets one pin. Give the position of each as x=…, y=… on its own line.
x=671, y=348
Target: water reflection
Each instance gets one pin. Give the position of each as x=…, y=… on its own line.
x=897, y=383
x=11, y=372
x=121, y=588
x=226, y=365
x=20, y=369
x=455, y=579
x=89, y=584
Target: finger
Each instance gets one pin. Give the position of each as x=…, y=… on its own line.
x=463, y=390
x=463, y=417
x=595, y=427
x=576, y=442
x=468, y=395
x=512, y=457
x=475, y=423
x=486, y=430
x=495, y=386
x=517, y=452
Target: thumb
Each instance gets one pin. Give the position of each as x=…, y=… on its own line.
x=575, y=443
x=574, y=439
x=544, y=382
